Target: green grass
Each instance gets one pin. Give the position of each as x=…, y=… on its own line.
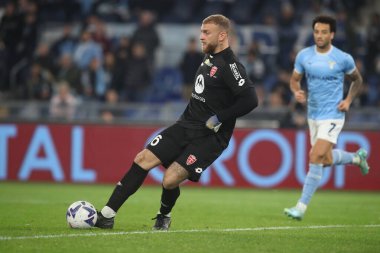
x=32, y=219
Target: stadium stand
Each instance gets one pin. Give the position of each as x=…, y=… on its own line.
x=27, y=26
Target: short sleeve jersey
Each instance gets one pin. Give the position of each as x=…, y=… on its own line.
x=324, y=74
x=218, y=80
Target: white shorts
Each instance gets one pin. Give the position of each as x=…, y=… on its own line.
x=328, y=129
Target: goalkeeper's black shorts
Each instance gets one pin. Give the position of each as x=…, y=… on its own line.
x=193, y=149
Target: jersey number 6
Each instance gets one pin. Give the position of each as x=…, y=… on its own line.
x=156, y=140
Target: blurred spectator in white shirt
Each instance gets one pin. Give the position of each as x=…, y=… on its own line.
x=63, y=104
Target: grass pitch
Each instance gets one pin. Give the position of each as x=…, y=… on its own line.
x=32, y=219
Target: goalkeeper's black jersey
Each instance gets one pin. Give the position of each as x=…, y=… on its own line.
x=218, y=81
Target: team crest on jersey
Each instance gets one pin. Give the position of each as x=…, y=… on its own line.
x=191, y=159
x=213, y=71
x=332, y=64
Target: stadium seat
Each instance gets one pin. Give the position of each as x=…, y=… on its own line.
x=242, y=11
x=263, y=37
x=209, y=8
x=167, y=86
x=182, y=12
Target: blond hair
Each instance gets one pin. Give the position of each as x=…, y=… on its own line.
x=219, y=20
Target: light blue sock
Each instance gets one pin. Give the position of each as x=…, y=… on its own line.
x=311, y=182
x=342, y=157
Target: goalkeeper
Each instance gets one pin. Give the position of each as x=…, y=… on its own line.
x=221, y=93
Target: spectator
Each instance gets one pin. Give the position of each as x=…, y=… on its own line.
x=99, y=34
x=93, y=81
x=66, y=44
x=298, y=117
x=86, y=50
x=283, y=78
x=44, y=58
x=110, y=110
x=39, y=84
x=343, y=27
x=373, y=43
x=67, y=71
x=287, y=36
x=255, y=67
x=139, y=74
x=28, y=39
x=278, y=104
x=261, y=96
x=276, y=98
x=189, y=65
x=10, y=34
x=63, y=104
x=146, y=33
x=110, y=70
x=122, y=54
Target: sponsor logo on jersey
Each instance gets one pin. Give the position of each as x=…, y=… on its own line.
x=241, y=82
x=235, y=71
x=213, y=71
x=202, y=99
x=191, y=159
x=311, y=77
x=199, y=84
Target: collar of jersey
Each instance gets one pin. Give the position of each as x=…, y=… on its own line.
x=315, y=50
x=224, y=51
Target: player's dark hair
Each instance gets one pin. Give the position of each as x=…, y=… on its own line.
x=219, y=20
x=326, y=20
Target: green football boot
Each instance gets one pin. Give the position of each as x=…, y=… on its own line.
x=364, y=168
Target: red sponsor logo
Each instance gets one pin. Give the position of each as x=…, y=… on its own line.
x=213, y=70
x=191, y=159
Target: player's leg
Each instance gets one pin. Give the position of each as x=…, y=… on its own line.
x=338, y=156
x=173, y=176
x=317, y=155
x=128, y=185
x=322, y=142
x=359, y=158
x=195, y=158
x=163, y=149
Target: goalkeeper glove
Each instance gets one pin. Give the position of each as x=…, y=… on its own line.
x=213, y=123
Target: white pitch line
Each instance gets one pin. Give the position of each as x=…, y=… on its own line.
x=216, y=230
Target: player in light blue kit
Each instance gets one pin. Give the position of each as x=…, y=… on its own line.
x=325, y=68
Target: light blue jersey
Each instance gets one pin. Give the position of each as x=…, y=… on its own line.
x=325, y=79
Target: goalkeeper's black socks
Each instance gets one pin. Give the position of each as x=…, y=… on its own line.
x=168, y=199
x=128, y=185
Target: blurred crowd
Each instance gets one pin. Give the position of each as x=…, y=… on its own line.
x=90, y=65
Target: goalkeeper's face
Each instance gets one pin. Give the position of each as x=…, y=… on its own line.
x=210, y=36
x=322, y=36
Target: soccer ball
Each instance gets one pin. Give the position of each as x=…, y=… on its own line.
x=81, y=214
